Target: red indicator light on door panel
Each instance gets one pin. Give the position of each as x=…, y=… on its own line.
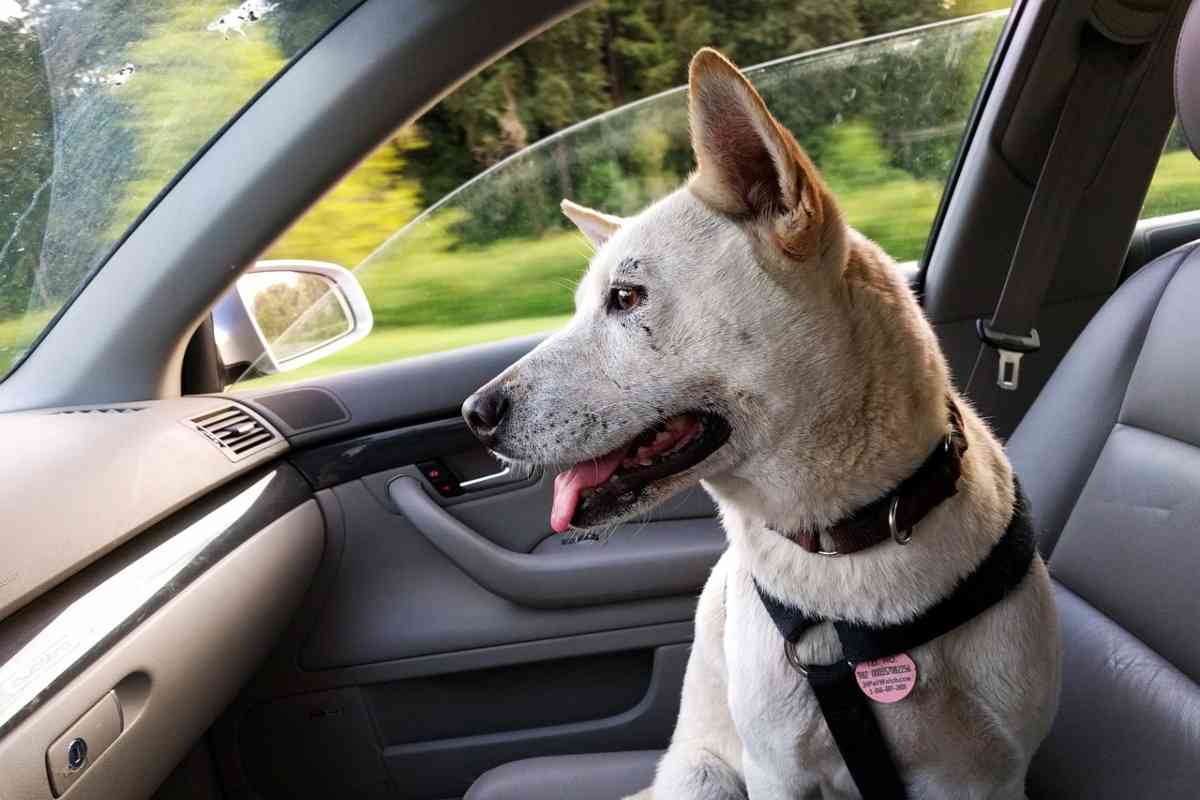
x=440, y=478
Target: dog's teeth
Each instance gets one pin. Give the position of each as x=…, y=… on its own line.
x=645, y=462
x=662, y=437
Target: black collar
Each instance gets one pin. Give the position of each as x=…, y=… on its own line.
x=896, y=513
x=998, y=574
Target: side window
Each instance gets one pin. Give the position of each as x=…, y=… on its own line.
x=1175, y=187
x=454, y=229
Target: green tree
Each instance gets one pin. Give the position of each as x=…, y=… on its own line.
x=884, y=16
x=26, y=161
x=360, y=213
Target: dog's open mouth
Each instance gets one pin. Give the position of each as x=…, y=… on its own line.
x=601, y=488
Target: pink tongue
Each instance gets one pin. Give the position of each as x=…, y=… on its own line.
x=568, y=486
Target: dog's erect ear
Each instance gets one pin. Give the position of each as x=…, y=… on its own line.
x=595, y=225
x=749, y=164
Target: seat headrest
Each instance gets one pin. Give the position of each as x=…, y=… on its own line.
x=1187, y=78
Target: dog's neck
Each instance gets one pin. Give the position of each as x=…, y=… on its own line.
x=893, y=516
x=890, y=582
x=852, y=441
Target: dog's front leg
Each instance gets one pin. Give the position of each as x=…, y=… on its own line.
x=704, y=759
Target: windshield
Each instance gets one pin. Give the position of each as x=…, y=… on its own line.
x=102, y=103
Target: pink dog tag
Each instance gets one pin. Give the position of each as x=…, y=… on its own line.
x=887, y=680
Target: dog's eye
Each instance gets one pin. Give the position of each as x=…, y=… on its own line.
x=625, y=298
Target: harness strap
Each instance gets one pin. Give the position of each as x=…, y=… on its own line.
x=855, y=731
x=846, y=709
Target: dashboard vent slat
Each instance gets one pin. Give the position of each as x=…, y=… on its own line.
x=235, y=431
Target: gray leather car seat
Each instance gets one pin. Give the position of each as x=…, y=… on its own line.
x=1109, y=454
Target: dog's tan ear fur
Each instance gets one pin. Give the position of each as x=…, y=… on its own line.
x=595, y=225
x=750, y=165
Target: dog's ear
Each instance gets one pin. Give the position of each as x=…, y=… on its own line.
x=595, y=225
x=749, y=164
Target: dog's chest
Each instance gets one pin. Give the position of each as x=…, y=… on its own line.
x=780, y=725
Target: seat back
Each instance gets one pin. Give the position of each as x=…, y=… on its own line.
x=1110, y=456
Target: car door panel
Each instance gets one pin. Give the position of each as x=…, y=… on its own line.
x=444, y=635
x=389, y=572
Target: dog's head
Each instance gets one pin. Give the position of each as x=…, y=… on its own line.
x=704, y=326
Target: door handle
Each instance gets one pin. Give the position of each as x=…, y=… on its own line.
x=671, y=557
x=508, y=474
x=483, y=481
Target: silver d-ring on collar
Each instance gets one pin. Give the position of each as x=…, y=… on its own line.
x=789, y=652
x=900, y=538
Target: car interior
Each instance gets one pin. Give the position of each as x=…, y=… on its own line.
x=330, y=588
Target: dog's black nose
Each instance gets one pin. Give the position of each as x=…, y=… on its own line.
x=484, y=411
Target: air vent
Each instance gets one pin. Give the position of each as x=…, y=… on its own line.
x=235, y=431
x=101, y=410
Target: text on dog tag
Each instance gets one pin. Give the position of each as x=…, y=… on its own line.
x=887, y=680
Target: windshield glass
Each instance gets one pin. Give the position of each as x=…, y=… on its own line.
x=102, y=102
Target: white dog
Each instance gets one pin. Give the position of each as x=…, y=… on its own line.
x=738, y=333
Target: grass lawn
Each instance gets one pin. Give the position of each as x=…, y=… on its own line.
x=1175, y=187
x=424, y=279
x=390, y=344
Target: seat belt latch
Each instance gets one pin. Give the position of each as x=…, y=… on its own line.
x=1010, y=348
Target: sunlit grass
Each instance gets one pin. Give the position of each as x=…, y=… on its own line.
x=428, y=281
x=1175, y=187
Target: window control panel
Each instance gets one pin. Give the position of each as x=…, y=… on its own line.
x=443, y=481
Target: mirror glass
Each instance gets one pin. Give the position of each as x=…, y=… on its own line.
x=296, y=312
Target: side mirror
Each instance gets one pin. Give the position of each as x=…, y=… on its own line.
x=281, y=315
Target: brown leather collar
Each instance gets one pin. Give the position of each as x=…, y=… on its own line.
x=895, y=514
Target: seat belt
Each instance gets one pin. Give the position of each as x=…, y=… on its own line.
x=1080, y=142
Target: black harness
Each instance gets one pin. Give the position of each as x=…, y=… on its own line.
x=844, y=705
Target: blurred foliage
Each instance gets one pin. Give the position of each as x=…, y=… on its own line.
x=359, y=214
x=281, y=299
x=183, y=90
x=26, y=160
x=102, y=102
x=454, y=222
x=295, y=312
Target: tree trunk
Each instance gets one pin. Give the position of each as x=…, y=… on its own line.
x=561, y=158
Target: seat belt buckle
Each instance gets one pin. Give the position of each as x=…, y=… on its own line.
x=1010, y=347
